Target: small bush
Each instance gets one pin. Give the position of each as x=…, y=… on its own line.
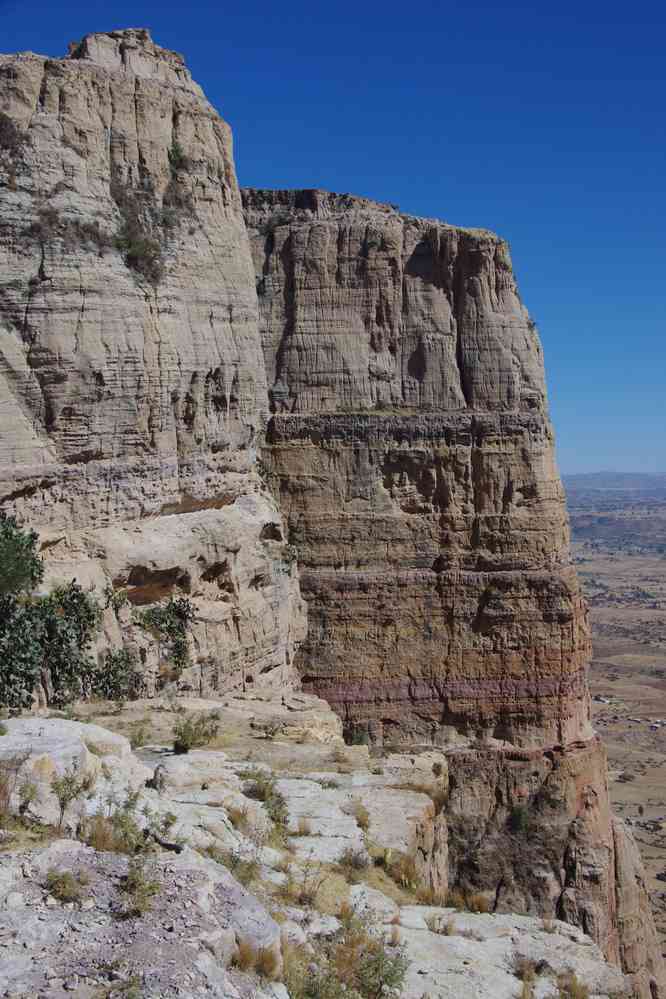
x=70, y=787
x=21, y=568
x=523, y=968
x=177, y=158
x=169, y=623
x=64, y=886
x=119, y=677
x=194, y=732
x=3, y=729
x=117, y=832
x=263, y=787
x=351, y=863
x=267, y=964
x=238, y=818
x=402, y=869
x=140, y=733
x=244, y=869
x=519, y=820
x=476, y=902
x=139, y=890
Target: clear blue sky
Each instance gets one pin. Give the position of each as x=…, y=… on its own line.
x=542, y=121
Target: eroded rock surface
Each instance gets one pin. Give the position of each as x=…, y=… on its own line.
x=131, y=374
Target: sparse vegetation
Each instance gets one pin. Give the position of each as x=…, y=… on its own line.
x=194, y=732
x=70, y=787
x=65, y=886
x=357, y=962
x=262, y=786
x=139, y=890
x=351, y=863
x=569, y=987
x=245, y=869
x=169, y=623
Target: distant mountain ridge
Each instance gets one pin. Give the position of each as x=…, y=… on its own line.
x=614, y=480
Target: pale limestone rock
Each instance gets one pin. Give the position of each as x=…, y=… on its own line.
x=131, y=411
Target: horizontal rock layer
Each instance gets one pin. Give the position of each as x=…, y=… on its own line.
x=412, y=456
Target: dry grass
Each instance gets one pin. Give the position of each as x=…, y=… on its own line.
x=467, y=901
x=268, y=964
x=361, y=814
x=437, y=792
x=245, y=957
x=402, y=869
x=427, y=895
x=351, y=863
x=238, y=818
x=571, y=988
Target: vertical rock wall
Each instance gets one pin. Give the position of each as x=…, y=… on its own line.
x=412, y=456
x=413, y=459
x=131, y=395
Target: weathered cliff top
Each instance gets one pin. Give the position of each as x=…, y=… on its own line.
x=130, y=51
x=315, y=203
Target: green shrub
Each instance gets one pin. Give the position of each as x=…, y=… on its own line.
x=21, y=568
x=519, y=819
x=64, y=886
x=118, y=678
x=69, y=787
x=135, y=240
x=177, y=158
x=194, y=732
x=244, y=869
x=169, y=623
x=139, y=889
x=355, y=964
x=262, y=786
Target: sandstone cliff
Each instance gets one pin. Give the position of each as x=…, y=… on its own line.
x=415, y=467
x=412, y=456
x=131, y=377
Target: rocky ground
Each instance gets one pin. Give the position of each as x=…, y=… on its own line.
x=232, y=887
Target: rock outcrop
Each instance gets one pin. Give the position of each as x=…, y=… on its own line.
x=131, y=375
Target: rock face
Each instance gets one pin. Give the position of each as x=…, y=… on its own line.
x=412, y=456
x=132, y=394
x=413, y=459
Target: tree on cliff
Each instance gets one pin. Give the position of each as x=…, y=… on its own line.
x=43, y=639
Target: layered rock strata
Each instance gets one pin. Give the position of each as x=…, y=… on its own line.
x=131, y=374
x=412, y=456
x=413, y=459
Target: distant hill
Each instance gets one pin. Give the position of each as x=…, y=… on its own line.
x=624, y=509
x=614, y=480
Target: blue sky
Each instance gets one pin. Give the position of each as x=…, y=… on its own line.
x=543, y=122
